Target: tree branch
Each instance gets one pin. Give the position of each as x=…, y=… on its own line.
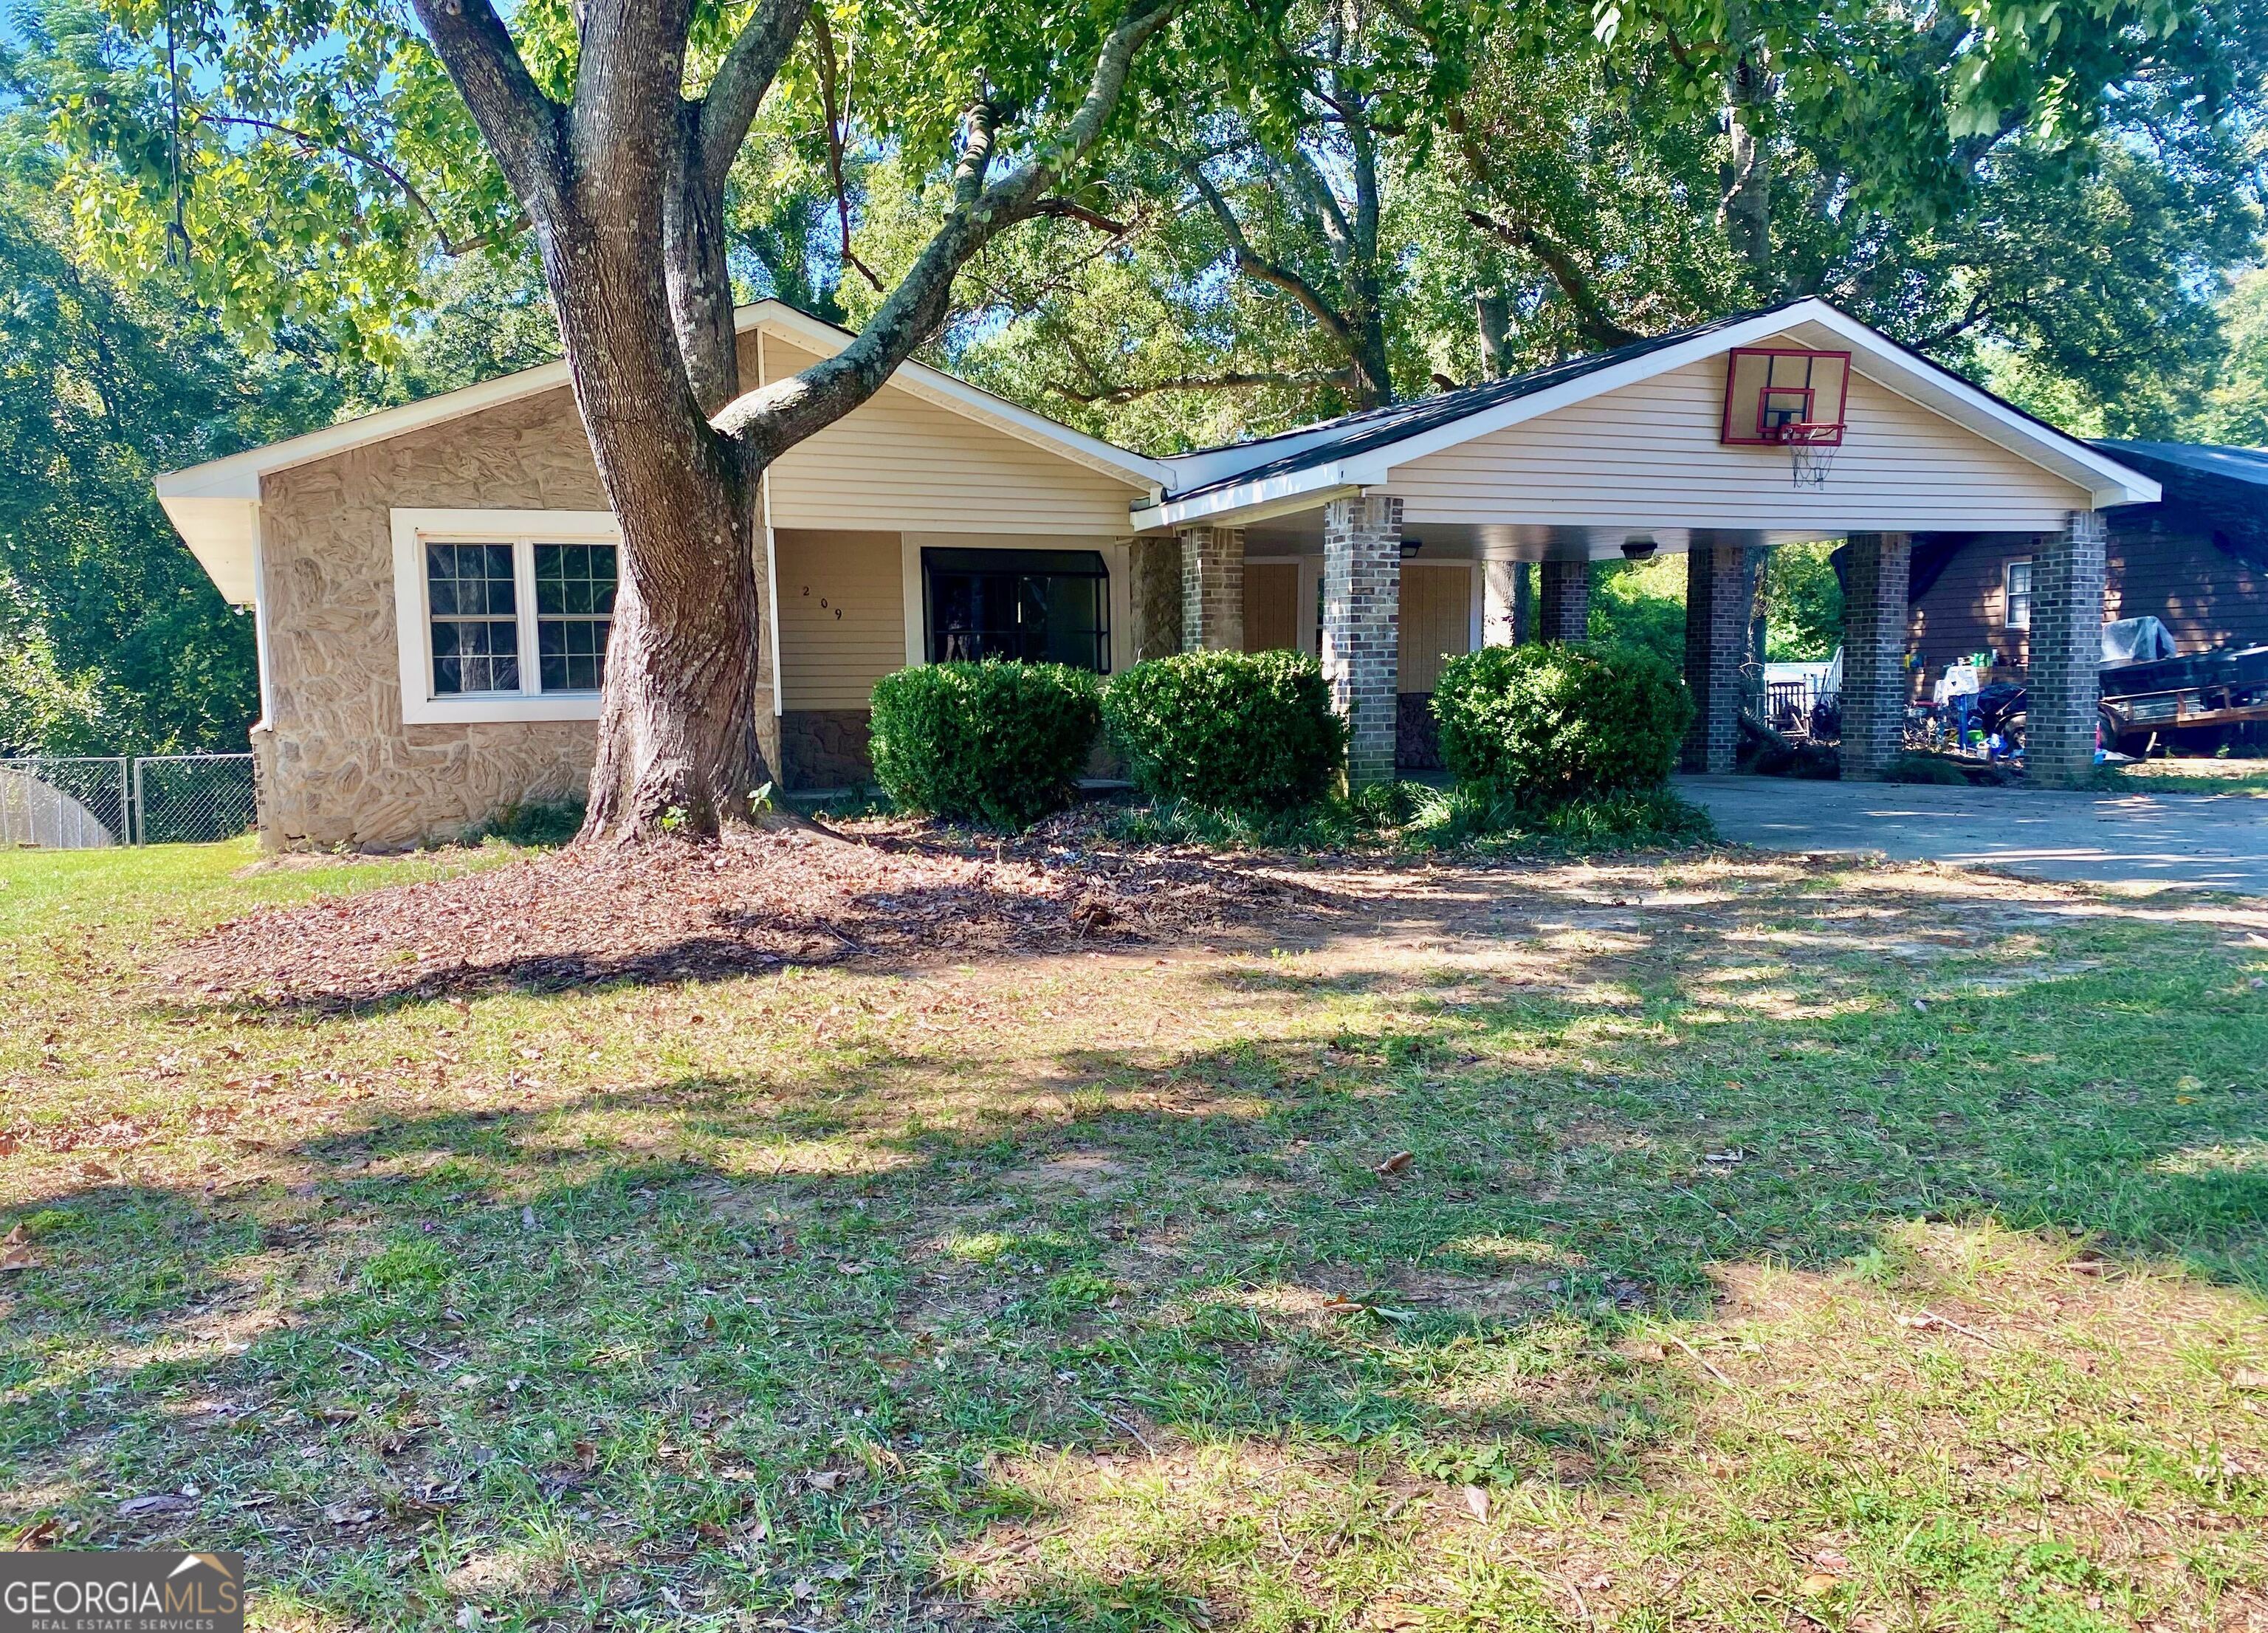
x=1232, y=380
x=1068, y=209
x=1980, y=308
x=1252, y=264
x=520, y=124
x=1583, y=294
x=823, y=36
x=779, y=415
x=743, y=79
x=308, y=140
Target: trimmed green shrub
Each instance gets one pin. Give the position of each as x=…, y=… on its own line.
x=1244, y=731
x=1543, y=724
x=1001, y=743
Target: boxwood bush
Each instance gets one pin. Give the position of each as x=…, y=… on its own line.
x=1239, y=731
x=994, y=742
x=1545, y=725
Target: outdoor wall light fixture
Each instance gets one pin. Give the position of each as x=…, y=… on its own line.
x=1410, y=546
x=1638, y=546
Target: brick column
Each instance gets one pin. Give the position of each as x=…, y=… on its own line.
x=1362, y=626
x=1874, y=684
x=1564, y=613
x=1719, y=592
x=1212, y=589
x=2064, y=675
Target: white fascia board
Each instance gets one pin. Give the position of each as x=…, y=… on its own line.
x=1209, y=464
x=1257, y=501
x=221, y=539
x=941, y=389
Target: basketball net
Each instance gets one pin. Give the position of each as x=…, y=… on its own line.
x=1809, y=460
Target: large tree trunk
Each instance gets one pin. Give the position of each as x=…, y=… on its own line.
x=677, y=730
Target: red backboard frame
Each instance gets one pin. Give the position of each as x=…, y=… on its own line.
x=1749, y=430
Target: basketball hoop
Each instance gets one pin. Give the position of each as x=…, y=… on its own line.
x=1788, y=396
x=1811, y=451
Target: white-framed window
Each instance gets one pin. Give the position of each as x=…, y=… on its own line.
x=2016, y=594
x=502, y=614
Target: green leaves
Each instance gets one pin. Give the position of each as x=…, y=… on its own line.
x=993, y=742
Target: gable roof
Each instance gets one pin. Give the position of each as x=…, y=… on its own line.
x=215, y=505
x=1360, y=450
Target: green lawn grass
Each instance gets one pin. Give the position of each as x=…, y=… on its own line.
x=2188, y=777
x=1718, y=1242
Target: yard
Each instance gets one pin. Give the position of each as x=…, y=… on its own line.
x=1721, y=1241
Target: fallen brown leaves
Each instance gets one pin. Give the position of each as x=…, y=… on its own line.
x=668, y=910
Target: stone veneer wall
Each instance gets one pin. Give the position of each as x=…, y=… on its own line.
x=825, y=748
x=339, y=766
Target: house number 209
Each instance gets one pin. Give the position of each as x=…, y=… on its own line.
x=823, y=605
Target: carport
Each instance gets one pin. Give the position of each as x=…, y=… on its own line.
x=1385, y=541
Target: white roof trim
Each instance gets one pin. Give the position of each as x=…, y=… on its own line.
x=2106, y=482
x=215, y=505
x=1285, y=493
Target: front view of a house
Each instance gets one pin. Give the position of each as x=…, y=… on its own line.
x=432, y=583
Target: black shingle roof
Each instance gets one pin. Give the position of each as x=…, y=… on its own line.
x=2244, y=465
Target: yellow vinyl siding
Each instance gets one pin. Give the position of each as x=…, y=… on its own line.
x=1647, y=456
x=1271, y=606
x=841, y=615
x=1436, y=620
x=902, y=463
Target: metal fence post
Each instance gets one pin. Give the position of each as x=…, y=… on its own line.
x=137, y=824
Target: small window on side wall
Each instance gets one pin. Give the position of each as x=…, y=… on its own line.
x=2016, y=599
x=501, y=615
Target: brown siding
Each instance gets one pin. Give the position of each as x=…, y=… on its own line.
x=1966, y=610
x=343, y=768
x=2206, y=596
x=1436, y=610
x=1271, y=606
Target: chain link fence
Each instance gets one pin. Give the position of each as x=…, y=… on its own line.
x=191, y=799
x=85, y=803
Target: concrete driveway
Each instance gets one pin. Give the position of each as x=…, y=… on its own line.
x=2192, y=842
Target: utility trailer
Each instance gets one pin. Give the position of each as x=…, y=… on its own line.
x=2195, y=703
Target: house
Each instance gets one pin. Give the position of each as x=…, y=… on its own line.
x=2197, y=560
x=431, y=584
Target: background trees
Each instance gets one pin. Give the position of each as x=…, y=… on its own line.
x=1300, y=210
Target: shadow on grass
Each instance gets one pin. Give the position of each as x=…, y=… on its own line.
x=717, y=1341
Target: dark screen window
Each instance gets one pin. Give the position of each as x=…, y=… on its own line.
x=1041, y=606
x=470, y=592
x=574, y=612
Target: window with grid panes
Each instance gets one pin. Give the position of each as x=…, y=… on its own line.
x=472, y=602
x=574, y=611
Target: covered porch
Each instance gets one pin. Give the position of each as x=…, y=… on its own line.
x=1386, y=542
